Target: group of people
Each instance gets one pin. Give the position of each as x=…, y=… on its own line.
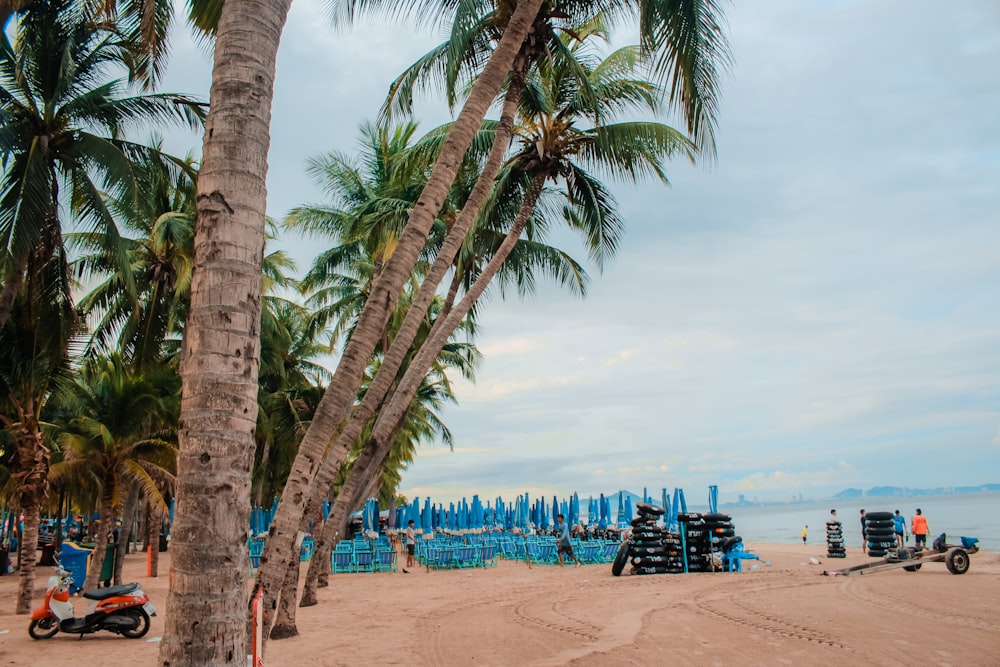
x=918, y=527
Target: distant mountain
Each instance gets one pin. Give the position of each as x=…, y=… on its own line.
x=905, y=491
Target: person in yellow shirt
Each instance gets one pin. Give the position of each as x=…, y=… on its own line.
x=805, y=531
x=918, y=526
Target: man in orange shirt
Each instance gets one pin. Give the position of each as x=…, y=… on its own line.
x=918, y=526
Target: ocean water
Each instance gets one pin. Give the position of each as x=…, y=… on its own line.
x=961, y=514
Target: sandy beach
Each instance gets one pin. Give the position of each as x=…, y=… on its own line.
x=785, y=613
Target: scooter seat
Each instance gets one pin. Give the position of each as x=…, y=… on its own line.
x=105, y=593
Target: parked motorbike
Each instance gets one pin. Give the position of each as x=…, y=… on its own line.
x=124, y=610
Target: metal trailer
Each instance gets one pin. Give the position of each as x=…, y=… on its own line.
x=954, y=556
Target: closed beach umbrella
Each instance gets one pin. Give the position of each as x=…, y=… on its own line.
x=666, y=509
x=425, y=517
x=592, y=512
x=574, y=509
x=621, y=509
x=629, y=514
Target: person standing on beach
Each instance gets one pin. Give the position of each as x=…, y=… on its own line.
x=918, y=526
x=805, y=531
x=563, y=542
x=864, y=538
x=411, y=545
x=899, y=526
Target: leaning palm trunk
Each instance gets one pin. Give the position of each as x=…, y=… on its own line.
x=364, y=474
x=318, y=574
x=206, y=623
x=333, y=410
x=284, y=625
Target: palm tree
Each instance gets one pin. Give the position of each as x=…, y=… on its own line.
x=562, y=132
x=340, y=396
x=145, y=325
x=33, y=345
x=111, y=433
x=689, y=46
x=62, y=117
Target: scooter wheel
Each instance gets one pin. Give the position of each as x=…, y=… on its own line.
x=44, y=628
x=142, y=617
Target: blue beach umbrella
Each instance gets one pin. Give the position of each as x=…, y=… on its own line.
x=629, y=514
x=621, y=510
x=645, y=495
x=713, y=499
x=425, y=517
x=666, y=509
x=592, y=512
x=574, y=509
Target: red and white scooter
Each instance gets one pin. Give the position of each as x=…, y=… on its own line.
x=124, y=610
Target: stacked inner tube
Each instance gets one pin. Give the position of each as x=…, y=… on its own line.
x=880, y=533
x=654, y=550
x=835, y=540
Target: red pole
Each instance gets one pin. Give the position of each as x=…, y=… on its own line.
x=258, y=629
x=149, y=561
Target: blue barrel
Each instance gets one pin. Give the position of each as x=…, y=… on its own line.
x=74, y=559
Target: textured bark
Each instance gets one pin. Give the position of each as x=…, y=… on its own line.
x=128, y=518
x=379, y=447
x=337, y=401
x=107, y=520
x=31, y=481
x=153, y=539
x=284, y=624
x=207, y=617
x=10, y=289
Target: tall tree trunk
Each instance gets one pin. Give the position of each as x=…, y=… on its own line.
x=31, y=482
x=105, y=524
x=207, y=619
x=153, y=539
x=334, y=408
x=379, y=447
x=284, y=625
x=128, y=518
x=10, y=289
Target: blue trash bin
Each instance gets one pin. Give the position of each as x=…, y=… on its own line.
x=74, y=558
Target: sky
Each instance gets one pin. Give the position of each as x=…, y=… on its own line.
x=817, y=309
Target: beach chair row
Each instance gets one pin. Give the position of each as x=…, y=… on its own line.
x=256, y=547
x=442, y=555
x=543, y=550
x=360, y=556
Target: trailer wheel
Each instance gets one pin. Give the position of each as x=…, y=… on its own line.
x=912, y=568
x=957, y=561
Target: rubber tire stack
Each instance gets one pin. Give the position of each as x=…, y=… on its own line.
x=648, y=554
x=879, y=533
x=835, y=540
x=698, y=541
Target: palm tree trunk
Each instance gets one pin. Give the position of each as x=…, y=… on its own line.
x=31, y=482
x=318, y=574
x=393, y=412
x=128, y=516
x=221, y=356
x=153, y=538
x=334, y=408
x=10, y=289
x=93, y=579
x=284, y=625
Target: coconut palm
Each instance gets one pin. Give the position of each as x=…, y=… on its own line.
x=33, y=355
x=62, y=119
x=158, y=242
x=563, y=134
x=112, y=433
